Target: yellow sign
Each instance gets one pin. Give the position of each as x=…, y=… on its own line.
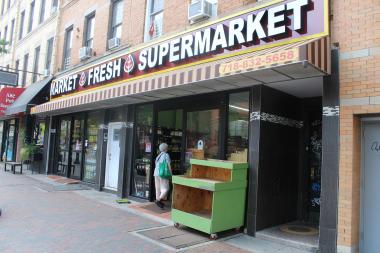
x=260, y=61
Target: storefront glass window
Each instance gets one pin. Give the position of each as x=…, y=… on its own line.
x=94, y=119
x=143, y=151
x=39, y=133
x=238, y=121
x=11, y=141
x=169, y=131
x=76, y=148
x=1, y=137
x=63, y=147
x=202, y=135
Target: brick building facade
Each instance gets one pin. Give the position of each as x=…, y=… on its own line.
x=357, y=32
x=354, y=35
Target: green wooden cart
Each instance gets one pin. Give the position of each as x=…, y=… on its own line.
x=212, y=198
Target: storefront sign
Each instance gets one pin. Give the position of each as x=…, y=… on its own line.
x=254, y=29
x=7, y=97
x=260, y=61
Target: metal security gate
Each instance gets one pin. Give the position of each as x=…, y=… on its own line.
x=370, y=197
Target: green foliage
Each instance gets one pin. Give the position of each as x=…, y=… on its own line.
x=27, y=151
x=3, y=45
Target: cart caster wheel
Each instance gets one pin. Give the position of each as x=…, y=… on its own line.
x=213, y=236
x=176, y=225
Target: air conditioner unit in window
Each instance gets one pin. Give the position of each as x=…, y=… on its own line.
x=84, y=53
x=199, y=10
x=46, y=72
x=114, y=42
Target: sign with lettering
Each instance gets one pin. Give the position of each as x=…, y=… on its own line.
x=260, y=61
x=263, y=26
x=7, y=97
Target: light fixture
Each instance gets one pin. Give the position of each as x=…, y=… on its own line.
x=239, y=108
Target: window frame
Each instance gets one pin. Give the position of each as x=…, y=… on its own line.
x=17, y=66
x=2, y=7
x=86, y=39
x=12, y=31
x=49, y=52
x=113, y=27
x=41, y=18
x=37, y=52
x=22, y=22
x=66, y=54
x=31, y=15
x=148, y=17
x=25, y=69
x=54, y=4
x=5, y=32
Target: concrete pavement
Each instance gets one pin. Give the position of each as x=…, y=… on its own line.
x=38, y=219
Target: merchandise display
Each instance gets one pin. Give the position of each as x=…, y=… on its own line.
x=211, y=198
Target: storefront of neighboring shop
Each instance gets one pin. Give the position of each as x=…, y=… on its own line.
x=256, y=87
x=9, y=126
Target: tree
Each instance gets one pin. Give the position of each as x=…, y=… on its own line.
x=3, y=45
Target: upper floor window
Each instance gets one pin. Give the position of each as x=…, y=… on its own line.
x=49, y=53
x=22, y=21
x=31, y=16
x=116, y=19
x=17, y=65
x=2, y=7
x=42, y=11
x=6, y=33
x=36, y=63
x=89, y=30
x=154, y=20
x=12, y=31
x=67, y=48
x=54, y=5
x=25, y=69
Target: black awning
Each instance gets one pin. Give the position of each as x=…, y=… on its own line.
x=28, y=97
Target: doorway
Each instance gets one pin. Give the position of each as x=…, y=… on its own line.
x=77, y=139
x=11, y=140
x=113, y=156
x=63, y=151
x=370, y=199
x=70, y=146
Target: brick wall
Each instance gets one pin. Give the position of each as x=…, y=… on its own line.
x=175, y=20
x=356, y=27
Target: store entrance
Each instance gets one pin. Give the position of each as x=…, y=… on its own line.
x=10, y=146
x=189, y=134
x=289, y=181
x=70, y=147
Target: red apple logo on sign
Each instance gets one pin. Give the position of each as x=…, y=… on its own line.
x=129, y=65
x=82, y=79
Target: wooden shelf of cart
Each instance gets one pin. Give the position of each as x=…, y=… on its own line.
x=212, y=198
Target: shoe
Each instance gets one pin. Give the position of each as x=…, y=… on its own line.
x=159, y=204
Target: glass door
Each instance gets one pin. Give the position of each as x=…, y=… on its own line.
x=202, y=135
x=63, y=146
x=94, y=119
x=169, y=131
x=141, y=174
x=77, y=140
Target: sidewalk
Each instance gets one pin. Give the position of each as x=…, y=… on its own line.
x=240, y=241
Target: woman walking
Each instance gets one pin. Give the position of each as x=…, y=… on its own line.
x=162, y=184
